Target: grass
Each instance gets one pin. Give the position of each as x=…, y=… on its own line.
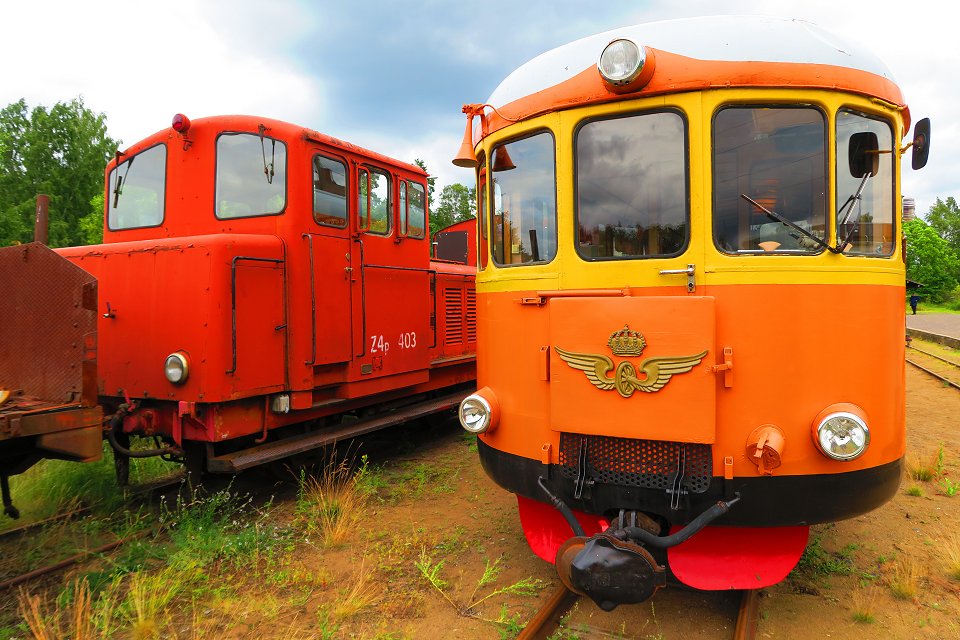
x=915, y=491
x=330, y=506
x=817, y=562
x=951, y=552
x=53, y=486
x=925, y=467
x=432, y=573
x=905, y=576
x=865, y=602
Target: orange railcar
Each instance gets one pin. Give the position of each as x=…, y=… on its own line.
x=260, y=281
x=690, y=298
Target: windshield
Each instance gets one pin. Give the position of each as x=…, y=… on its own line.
x=868, y=221
x=136, y=190
x=769, y=159
x=251, y=175
x=524, y=201
x=632, y=187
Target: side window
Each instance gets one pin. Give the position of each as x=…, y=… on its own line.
x=482, y=217
x=403, y=207
x=632, y=187
x=416, y=211
x=866, y=222
x=524, y=216
x=374, y=204
x=137, y=188
x=251, y=175
x=329, y=192
x=769, y=159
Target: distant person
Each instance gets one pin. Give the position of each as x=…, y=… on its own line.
x=914, y=301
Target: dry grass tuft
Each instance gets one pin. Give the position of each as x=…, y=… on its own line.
x=926, y=467
x=951, y=552
x=905, y=577
x=148, y=597
x=78, y=623
x=332, y=504
x=362, y=594
x=865, y=602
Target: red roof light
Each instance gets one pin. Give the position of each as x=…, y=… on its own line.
x=181, y=123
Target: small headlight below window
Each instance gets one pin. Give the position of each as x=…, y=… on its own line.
x=475, y=414
x=176, y=368
x=842, y=436
x=621, y=62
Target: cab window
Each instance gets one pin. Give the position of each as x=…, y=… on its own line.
x=251, y=175
x=769, y=180
x=329, y=192
x=137, y=188
x=413, y=212
x=632, y=187
x=524, y=204
x=866, y=222
x=374, y=201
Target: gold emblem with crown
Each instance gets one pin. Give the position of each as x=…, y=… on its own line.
x=626, y=342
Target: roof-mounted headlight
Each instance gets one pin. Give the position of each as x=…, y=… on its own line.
x=625, y=66
x=841, y=434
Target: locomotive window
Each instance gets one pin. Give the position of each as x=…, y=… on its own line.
x=403, y=207
x=413, y=216
x=375, y=206
x=524, y=216
x=632, y=187
x=251, y=175
x=776, y=158
x=867, y=222
x=482, y=211
x=329, y=192
x=136, y=190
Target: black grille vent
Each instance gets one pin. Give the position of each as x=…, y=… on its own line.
x=650, y=464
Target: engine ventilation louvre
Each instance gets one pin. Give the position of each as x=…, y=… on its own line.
x=471, y=315
x=453, y=304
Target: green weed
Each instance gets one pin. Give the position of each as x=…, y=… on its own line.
x=816, y=561
x=915, y=491
x=950, y=488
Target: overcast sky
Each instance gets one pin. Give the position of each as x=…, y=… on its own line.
x=392, y=75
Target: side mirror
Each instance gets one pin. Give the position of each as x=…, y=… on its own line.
x=921, y=144
x=863, y=153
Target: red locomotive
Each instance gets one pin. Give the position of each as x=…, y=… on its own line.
x=258, y=282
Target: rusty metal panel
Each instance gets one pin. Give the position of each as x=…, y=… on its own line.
x=48, y=324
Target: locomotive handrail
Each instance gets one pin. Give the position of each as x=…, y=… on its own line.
x=313, y=304
x=233, y=299
x=542, y=296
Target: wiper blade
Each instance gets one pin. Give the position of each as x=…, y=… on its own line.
x=779, y=218
x=118, y=185
x=852, y=201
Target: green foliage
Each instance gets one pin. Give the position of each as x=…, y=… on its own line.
x=818, y=562
x=62, y=152
x=457, y=203
x=944, y=217
x=930, y=260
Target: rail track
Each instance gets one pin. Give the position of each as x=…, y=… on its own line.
x=953, y=367
x=547, y=620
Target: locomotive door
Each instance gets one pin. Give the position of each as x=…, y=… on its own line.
x=329, y=254
x=394, y=282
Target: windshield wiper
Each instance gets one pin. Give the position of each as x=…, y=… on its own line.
x=852, y=201
x=118, y=186
x=779, y=218
x=268, y=168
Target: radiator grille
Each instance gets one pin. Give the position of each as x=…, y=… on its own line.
x=453, y=305
x=650, y=464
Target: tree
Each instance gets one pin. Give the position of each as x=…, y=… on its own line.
x=944, y=217
x=61, y=152
x=457, y=203
x=930, y=260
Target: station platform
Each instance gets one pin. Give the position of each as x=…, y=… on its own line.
x=938, y=327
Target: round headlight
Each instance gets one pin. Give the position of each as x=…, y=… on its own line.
x=621, y=62
x=176, y=368
x=475, y=414
x=842, y=436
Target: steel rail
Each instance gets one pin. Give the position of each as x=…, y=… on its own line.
x=933, y=355
x=934, y=374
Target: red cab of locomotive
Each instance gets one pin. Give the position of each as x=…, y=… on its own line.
x=257, y=282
